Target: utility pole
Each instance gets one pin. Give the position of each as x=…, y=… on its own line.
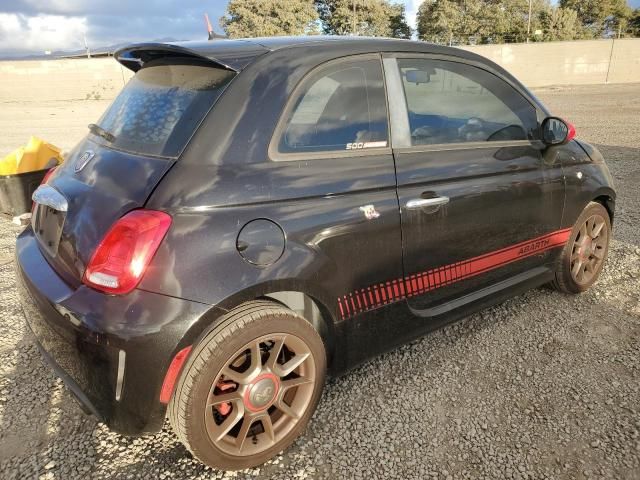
x=86, y=46
x=529, y=21
x=353, y=27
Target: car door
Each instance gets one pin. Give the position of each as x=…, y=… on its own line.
x=332, y=151
x=480, y=207
x=332, y=148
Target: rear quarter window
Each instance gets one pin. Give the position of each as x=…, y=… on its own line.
x=340, y=107
x=158, y=110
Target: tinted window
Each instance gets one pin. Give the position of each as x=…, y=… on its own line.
x=158, y=110
x=340, y=108
x=451, y=102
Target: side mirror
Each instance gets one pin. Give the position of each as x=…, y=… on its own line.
x=556, y=131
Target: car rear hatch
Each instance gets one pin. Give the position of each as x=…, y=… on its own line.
x=125, y=155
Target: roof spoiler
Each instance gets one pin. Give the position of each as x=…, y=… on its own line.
x=135, y=56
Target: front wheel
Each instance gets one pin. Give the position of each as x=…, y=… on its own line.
x=584, y=254
x=250, y=387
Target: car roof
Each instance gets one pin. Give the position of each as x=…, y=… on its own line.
x=237, y=54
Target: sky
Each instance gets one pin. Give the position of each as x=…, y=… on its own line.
x=34, y=26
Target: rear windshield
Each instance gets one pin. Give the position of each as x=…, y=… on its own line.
x=158, y=110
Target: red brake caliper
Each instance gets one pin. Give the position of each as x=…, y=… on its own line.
x=224, y=408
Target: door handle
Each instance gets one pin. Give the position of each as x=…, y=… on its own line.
x=426, y=202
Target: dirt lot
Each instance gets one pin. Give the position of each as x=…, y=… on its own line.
x=543, y=386
x=61, y=122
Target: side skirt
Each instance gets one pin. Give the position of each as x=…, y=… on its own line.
x=372, y=333
x=523, y=281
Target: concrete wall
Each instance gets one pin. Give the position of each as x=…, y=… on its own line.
x=535, y=64
x=568, y=63
x=74, y=79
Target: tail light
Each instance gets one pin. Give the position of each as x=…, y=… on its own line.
x=47, y=175
x=121, y=259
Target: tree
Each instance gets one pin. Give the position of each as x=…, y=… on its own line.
x=465, y=21
x=399, y=26
x=375, y=18
x=600, y=17
x=561, y=24
x=634, y=23
x=495, y=21
x=265, y=18
x=439, y=21
x=618, y=22
x=512, y=23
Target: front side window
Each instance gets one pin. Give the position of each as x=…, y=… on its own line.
x=451, y=102
x=339, y=108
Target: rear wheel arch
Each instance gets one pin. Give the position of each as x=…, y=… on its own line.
x=312, y=310
x=307, y=306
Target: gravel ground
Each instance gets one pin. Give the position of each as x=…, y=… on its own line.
x=543, y=386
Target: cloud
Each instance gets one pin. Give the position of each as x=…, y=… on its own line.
x=412, y=10
x=39, y=25
x=19, y=32
x=145, y=8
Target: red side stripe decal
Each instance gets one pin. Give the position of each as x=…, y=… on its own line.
x=375, y=296
x=341, y=308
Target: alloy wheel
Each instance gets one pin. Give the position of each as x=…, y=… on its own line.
x=589, y=249
x=260, y=394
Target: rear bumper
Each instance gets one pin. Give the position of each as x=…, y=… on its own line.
x=84, y=402
x=111, y=351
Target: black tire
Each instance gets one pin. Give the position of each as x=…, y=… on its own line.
x=564, y=279
x=246, y=323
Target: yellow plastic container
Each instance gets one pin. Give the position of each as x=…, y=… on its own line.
x=36, y=155
x=9, y=164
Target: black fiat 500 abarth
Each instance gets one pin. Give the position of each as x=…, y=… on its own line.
x=249, y=216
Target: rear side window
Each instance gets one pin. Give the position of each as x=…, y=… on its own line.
x=158, y=110
x=451, y=102
x=341, y=107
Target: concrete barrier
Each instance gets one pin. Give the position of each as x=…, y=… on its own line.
x=625, y=61
x=535, y=64
x=568, y=63
x=61, y=79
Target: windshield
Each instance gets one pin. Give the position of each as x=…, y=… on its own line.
x=158, y=110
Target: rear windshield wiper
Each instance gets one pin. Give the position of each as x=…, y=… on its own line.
x=101, y=132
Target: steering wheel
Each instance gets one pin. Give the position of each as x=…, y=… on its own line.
x=496, y=135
